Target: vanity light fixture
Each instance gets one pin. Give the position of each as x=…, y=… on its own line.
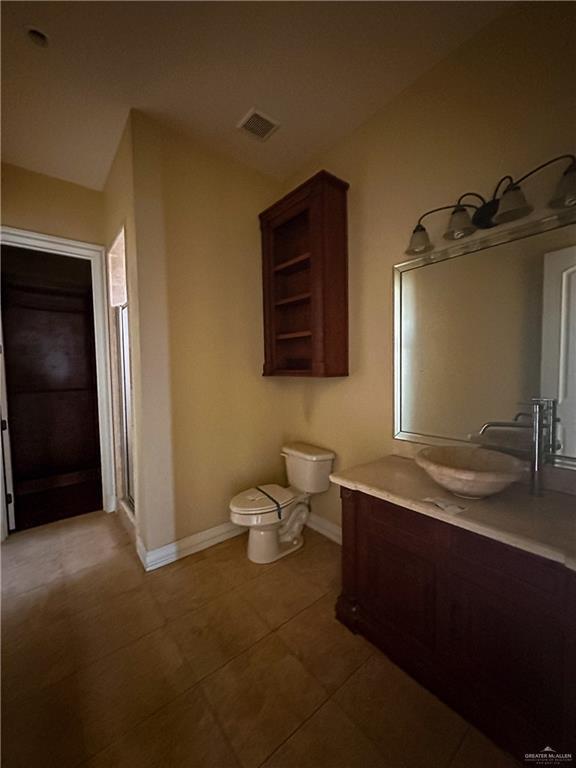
x=565, y=194
x=510, y=205
x=513, y=205
x=459, y=226
x=460, y=223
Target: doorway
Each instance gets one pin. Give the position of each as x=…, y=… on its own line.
x=48, y=324
x=56, y=405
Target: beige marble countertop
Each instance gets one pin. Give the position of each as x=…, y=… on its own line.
x=544, y=525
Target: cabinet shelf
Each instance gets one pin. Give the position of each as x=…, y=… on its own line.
x=300, y=259
x=295, y=335
x=296, y=299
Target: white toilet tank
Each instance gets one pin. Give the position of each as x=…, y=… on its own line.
x=308, y=467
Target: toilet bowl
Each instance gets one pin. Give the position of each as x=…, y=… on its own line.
x=275, y=515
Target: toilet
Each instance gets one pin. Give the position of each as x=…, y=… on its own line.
x=274, y=515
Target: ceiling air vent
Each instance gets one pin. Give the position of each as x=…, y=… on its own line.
x=258, y=125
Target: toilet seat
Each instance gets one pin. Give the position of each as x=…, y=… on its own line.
x=254, y=501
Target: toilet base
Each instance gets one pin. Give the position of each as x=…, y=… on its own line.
x=264, y=545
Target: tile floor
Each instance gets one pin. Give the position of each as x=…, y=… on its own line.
x=211, y=662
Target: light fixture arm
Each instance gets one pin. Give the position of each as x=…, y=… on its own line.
x=572, y=159
x=507, y=178
x=471, y=194
x=442, y=208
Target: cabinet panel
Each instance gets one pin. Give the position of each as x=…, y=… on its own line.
x=570, y=676
x=489, y=628
x=511, y=655
x=396, y=586
x=396, y=579
x=521, y=575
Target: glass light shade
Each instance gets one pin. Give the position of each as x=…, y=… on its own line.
x=513, y=205
x=565, y=194
x=419, y=242
x=460, y=224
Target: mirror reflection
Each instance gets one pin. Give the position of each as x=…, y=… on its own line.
x=482, y=334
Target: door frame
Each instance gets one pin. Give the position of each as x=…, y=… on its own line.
x=96, y=255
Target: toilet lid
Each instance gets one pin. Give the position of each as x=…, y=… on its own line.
x=253, y=500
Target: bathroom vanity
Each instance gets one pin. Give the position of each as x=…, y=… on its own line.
x=478, y=605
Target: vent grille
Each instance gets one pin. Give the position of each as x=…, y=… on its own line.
x=258, y=125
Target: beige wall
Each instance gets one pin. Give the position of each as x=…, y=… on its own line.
x=134, y=199
x=502, y=104
x=43, y=204
x=227, y=420
x=207, y=425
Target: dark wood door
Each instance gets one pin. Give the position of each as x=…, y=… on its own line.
x=51, y=385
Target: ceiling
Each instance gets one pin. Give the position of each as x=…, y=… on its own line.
x=320, y=68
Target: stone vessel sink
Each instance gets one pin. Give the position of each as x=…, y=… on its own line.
x=470, y=472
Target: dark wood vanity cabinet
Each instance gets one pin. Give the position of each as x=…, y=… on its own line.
x=489, y=628
x=305, y=283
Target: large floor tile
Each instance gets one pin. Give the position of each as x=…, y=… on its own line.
x=401, y=716
x=33, y=609
x=105, y=533
x=31, y=545
x=280, y=594
x=108, y=626
x=83, y=713
x=328, y=739
x=261, y=697
x=44, y=730
x=26, y=569
x=211, y=636
x=318, y=562
x=476, y=751
x=187, y=588
x=183, y=734
x=98, y=584
x=117, y=692
x=326, y=648
x=91, y=545
x=37, y=658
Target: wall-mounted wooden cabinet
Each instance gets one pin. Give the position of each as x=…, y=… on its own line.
x=305, y=280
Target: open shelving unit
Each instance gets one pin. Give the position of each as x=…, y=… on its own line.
x=304, y=258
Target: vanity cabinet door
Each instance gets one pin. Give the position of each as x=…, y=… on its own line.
x=570, y=677
x=396, y=575
x=507, y=655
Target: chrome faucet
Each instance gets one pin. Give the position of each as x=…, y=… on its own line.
x=516, y=424
x=544, y=438
x=542, y=421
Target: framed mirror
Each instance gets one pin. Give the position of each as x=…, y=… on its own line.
x=483, y=327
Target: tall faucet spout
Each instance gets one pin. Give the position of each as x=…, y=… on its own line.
x=537, y=447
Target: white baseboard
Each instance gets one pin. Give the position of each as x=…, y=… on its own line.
x=156, y=558
x=325, y=527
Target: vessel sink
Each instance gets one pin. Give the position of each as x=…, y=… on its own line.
x=470, y=472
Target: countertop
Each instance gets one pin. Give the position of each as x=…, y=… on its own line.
x=543, y=525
